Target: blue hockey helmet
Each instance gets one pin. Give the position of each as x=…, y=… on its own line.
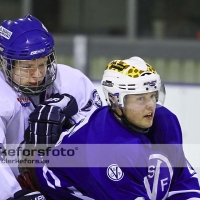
x=26, y=39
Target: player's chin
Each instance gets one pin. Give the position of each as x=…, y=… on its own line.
x=147, y=124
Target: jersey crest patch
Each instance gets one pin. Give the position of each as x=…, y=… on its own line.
x=94, y=100
x=159, y=177
x=114, y=172
x=25, y=101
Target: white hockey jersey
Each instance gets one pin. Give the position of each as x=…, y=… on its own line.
x=16, y=108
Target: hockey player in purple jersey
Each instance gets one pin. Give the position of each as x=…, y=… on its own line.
x=130, y=149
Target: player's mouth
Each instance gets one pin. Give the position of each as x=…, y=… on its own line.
x=150, y=115
x=35, y=84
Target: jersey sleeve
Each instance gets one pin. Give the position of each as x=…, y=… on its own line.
x=57, y=184
x=8, y=184
x=7, y=111
x=185, y=184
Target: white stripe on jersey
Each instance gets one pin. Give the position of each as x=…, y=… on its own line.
x=181, y=191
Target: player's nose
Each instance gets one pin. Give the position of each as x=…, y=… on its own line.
x=37, y=73
x=151, y=104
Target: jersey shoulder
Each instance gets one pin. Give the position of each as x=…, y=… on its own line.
x=73, y=82
x=165, y=117
x=166, y=127
x=65, y=71
x=103, y=128
x=8, y=100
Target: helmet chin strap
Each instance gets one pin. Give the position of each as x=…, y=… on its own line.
x=124, y=121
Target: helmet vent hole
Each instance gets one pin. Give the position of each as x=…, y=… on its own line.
x=131, y=84
x=23, y=53
x=48, y=46
x=11, y=52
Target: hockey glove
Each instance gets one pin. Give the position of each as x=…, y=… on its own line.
x=48, y=119
x=27, y=195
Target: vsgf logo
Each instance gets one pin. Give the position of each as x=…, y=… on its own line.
x=114, y=172
x=159, y=177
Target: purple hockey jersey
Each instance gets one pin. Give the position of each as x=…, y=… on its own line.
x=101, y=159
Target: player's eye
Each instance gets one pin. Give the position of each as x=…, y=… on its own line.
x=43, y=65
x=140, y=98
x=26, y=67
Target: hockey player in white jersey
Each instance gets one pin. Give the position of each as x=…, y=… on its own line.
x=29, y=75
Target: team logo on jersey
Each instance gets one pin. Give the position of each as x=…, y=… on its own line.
x=94, y=100
x=25, y=102
x=114, y=172
x=159, y=177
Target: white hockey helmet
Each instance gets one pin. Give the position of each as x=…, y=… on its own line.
x=130, y=76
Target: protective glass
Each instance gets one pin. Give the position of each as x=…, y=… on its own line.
x=139, y=101
x=156, y=98
x=161, y=95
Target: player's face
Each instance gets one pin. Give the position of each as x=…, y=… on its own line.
x=29, y=73
x=139, y=109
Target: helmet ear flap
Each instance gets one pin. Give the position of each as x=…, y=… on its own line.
x=113, y=101
x=51, y=59
x=7, y=63
x=2, y=61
